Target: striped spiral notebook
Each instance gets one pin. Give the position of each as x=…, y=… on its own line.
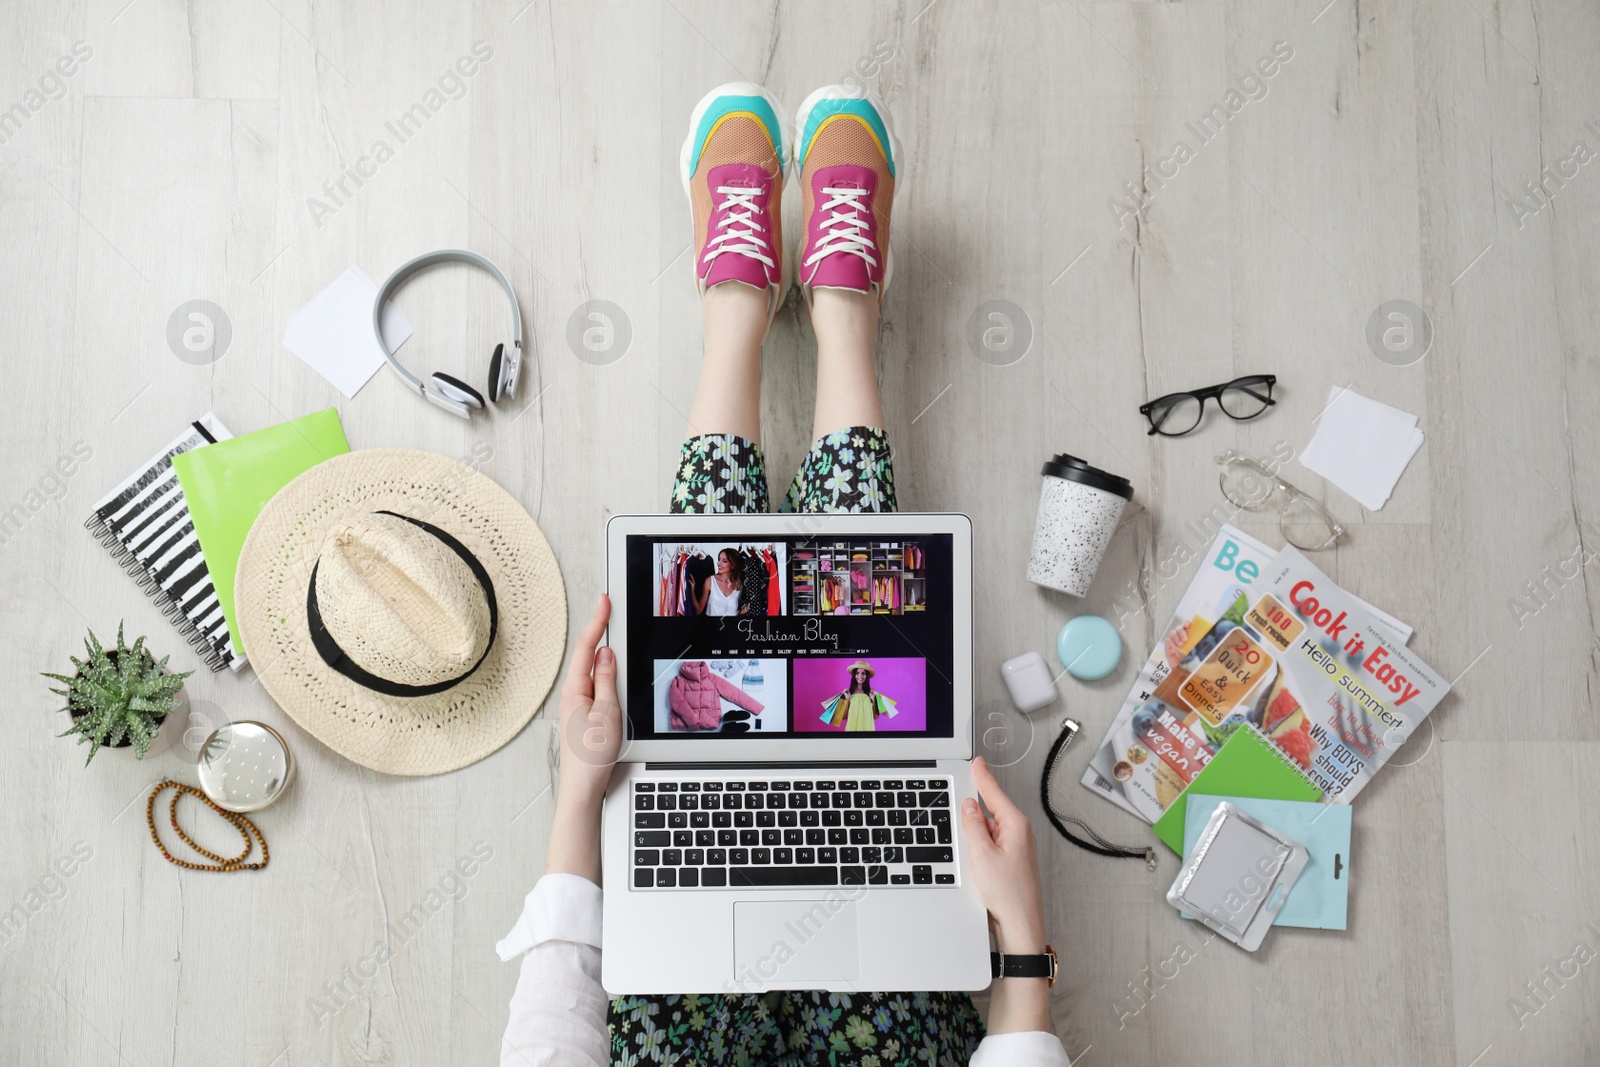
x=144, y=523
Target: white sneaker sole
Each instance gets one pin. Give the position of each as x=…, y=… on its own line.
x=844, y=92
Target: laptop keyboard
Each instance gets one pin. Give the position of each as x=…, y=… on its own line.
x=782, y=833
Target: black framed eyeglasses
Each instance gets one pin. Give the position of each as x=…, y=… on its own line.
x=1244, y=398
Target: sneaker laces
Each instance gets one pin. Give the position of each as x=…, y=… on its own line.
x=845, y=228
x=741, y=232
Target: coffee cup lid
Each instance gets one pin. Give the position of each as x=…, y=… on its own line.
x=1074, y=469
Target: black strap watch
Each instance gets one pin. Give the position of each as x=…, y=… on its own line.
x=1042, y=966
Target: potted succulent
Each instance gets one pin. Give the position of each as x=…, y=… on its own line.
x=121, y=698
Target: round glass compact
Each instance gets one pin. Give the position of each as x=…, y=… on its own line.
x=244, y=766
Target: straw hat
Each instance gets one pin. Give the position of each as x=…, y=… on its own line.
x=402, y=608
x=863, y=665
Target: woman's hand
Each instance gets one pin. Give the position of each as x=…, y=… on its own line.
x=1006, y=871
x=591, y=715
x=1004, y=865
x=591, y=739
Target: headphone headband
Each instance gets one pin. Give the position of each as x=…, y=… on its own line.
x=401, y=275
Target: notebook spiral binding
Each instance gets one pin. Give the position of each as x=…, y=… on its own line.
x=170, y=607
x=1282, y=756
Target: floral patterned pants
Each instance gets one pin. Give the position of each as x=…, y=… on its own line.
x=850, y=471
x=807, y=1029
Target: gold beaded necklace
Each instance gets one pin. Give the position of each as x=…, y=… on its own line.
x=237, y=821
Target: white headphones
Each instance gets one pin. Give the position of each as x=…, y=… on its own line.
x=448, y=392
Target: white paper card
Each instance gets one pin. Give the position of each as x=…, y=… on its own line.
x=333, y=332
x=1362, y=446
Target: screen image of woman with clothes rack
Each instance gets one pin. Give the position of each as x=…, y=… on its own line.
x=720, y=578
x=722, y=694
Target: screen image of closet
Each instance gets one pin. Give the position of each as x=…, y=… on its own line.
x=721, y=695
x=720, y=578
x=857, y=577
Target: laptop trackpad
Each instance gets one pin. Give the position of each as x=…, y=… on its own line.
x=785, y=943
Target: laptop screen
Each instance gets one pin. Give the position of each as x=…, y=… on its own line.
x=841, y=637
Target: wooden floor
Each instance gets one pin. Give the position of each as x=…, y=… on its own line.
x=197, y=152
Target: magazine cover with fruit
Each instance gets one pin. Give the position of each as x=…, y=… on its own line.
x=1265, y=638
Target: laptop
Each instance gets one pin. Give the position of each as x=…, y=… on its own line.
x=785, y=814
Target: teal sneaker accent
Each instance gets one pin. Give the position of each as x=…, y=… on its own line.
x=863, y=109
x=725, y=105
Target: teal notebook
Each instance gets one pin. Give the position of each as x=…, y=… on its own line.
x=1247, y=765
x=1320, y=898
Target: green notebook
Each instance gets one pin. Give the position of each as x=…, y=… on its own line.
x=228, y=483
x=1247, y=765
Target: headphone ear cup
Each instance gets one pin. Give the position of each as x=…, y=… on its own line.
x=497, y=383
x=457, y=390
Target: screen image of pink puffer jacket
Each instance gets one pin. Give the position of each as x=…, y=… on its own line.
x=695, y=697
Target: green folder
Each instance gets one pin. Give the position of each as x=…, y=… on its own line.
x=228, y=483
x=1247, y=765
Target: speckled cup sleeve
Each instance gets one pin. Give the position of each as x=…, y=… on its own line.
x=1070, y=536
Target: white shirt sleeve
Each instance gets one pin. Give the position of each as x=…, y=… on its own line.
x=1031, y=1048
x=558, y=1012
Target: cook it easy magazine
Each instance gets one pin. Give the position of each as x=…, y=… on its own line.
x=1267, y=639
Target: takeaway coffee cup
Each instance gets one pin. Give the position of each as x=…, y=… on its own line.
x=1078, y=509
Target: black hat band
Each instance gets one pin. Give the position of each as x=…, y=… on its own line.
x=335, y=657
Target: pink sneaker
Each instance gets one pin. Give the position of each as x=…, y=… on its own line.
x=733, y=167
x=845, y=156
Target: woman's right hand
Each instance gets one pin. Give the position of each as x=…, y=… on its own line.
x=591, y=738
x=591, y=715
x=1005, y=866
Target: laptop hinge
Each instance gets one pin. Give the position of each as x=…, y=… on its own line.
x=788, y=766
